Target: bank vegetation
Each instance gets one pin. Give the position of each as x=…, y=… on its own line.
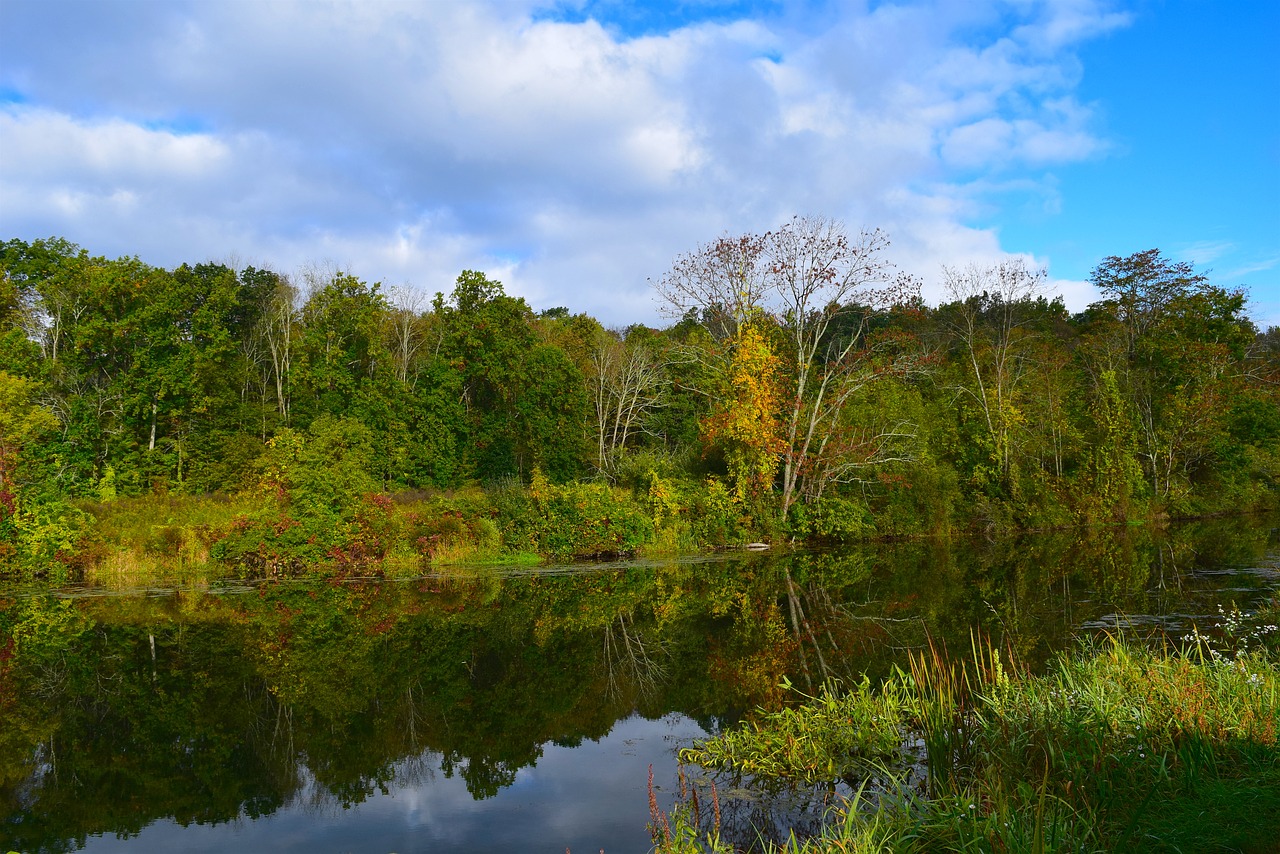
x=238, y=419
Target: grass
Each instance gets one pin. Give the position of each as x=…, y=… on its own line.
x=1117, y=747
x=135, y=541
x=832, y=735
x=138, y=541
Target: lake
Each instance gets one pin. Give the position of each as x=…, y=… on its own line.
x=487, y=710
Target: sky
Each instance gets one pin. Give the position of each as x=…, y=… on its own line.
x=572, y=149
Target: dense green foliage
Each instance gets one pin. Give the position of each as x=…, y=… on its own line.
x=798, y=397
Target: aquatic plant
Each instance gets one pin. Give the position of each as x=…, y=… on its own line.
x=1116, y=746
x=832, y=735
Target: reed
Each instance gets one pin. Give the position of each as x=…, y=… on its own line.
x=1117, y=747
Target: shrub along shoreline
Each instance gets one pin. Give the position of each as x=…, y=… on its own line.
x=282, y=528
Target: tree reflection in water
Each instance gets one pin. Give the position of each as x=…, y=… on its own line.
x=208, y=708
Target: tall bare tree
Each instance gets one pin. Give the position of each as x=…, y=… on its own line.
x=822, y=289
x=404, y=326
x=278, y=331
x=990, y=318
x=626, y=380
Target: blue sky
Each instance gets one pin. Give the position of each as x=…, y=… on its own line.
x=573, y=149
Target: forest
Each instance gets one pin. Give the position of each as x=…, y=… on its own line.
x=803, y=391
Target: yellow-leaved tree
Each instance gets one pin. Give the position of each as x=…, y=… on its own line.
x=744, y=421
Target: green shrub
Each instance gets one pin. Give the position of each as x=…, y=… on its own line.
x=840, y=520
x=322, y=504
x=571, y=520
x=40, y=539
x=635, y=468
x=715, y=515
x=456, y=529
x=271, y=544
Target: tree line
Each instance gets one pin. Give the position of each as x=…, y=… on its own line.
x=802, y=383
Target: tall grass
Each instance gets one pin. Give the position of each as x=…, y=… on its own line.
x=1117, y=747
x=136, y=541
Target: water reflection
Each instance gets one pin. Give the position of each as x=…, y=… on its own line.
x=582, y=798
x=481, y=708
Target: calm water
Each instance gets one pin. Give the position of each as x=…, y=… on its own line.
x=482, y=711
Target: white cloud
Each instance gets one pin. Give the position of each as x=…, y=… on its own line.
x=1066, y=22
x=42, y=145
x=979, y=143
x=407, y=141
x=1076, y=294
x=1255, y=267
x=1204, y=252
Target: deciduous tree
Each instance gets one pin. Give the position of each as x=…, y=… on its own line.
x=991, y=317
x=744, y=419
x=1178, y=343
x=822, y=289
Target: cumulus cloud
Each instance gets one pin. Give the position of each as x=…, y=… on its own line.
x=407, y=141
